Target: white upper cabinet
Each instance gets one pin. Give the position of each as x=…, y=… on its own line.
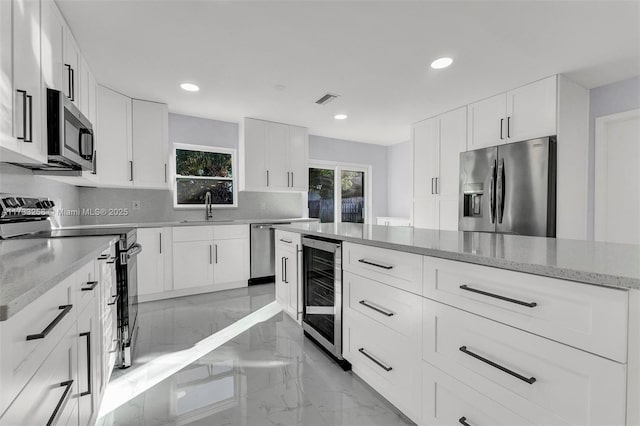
x=150, y=144
x=113, y=139
x=486, y=122
x=72, y=68
x=21, y=124
x=524, y=113
x=531, y=110
x=437, y=144
x=275, y=156
x=52, y=36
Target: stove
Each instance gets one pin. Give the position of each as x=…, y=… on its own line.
x=24, y=217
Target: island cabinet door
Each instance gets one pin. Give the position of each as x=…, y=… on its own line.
x=192, y=264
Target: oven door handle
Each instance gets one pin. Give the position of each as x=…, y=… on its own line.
x=134, y=251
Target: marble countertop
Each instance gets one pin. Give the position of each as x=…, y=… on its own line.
x=30, y=267
x=194, y=223
x=605, y=264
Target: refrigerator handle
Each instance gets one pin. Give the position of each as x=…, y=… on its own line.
x=500, y=189
x=492, y=193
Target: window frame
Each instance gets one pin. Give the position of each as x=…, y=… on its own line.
x=337, y=168
x=204, y=148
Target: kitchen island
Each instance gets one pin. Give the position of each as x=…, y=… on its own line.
x=479, y=328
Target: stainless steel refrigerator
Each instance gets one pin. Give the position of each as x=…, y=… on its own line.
x=510, y=188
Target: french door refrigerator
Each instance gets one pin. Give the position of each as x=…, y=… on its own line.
x=510, y=188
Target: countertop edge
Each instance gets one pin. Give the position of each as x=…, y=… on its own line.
x=22, y=301
x=590, y=278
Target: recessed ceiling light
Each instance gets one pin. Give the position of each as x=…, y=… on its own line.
x=441, y=63
x=189, y=87
x=340, y=116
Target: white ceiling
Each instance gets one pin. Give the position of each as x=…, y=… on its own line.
x=376, y=55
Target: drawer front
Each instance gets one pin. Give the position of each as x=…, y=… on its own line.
x=87, y=284
x=520, y=370
x=40, y=397
x=192, y=233
x=396, y=268
x=446, y=401
x=229, y=232
x=286, y=238
x=585, y=316
x=394, y=308
x=386, y=360
x=45, y=321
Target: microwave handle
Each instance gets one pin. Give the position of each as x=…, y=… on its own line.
x=85, y=149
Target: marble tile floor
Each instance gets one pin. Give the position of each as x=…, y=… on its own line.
x=269, y=375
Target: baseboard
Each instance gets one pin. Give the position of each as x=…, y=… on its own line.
x=190, y=291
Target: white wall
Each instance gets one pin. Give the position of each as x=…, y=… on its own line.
x=605, y=100
x=344, y=151
x=400, y=179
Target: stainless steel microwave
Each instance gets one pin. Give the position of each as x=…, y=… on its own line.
x=69, y=135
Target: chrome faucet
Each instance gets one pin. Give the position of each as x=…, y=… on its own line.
x=207, y=206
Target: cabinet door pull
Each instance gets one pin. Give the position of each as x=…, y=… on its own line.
x=508, y=127
x=282, y=269
x=437, y=179
x=267, y=177
x=103, y=257
x=501, y=128
x=113, y=300
x=210, y=254
x=463, y=421
x=69, y=80
x=497, y=296
x=91, y=284
x=65, y=309
x=24, y=114
x=530, y=380
x=88, y=336
x=292, y=179
x=165, y=172
x=377, y=309
x=130, y=171
x=432, y=186
x=67, y=385
x=379, y=265
x=73, y=84
x=30, y=126
x=381, y=365
x=285, y=241
x=286, y=278
x=215, y=250
x=288, y=179
x=112, y=260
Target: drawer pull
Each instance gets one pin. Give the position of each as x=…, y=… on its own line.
x=497, y=296
x=285, y=241
x=56, y=320
x=112, y=260
x=379, y=265
x=114, y=300
x=377, y=309
x=68, y=385
x=103, y=257
x=530, y=380
x=91, y=284
x=463, y=421
x=89, y=356
x=381, y=365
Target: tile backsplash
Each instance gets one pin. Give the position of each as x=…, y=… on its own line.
x=157, y=206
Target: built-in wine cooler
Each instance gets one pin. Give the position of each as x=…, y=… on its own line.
x=322, y=294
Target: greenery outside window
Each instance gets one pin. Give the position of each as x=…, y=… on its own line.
x=199, y=169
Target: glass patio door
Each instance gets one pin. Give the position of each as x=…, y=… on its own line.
x=338, y=193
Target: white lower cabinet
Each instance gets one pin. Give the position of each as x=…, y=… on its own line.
x=288, y=270
x=192, y=264
x=156, y=243
x=89, y=362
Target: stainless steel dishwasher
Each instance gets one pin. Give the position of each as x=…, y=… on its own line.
x=263, y=252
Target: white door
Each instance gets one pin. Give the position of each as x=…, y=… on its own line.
x=298, y=143
x=84, y=79
x=192, y=264
x=89, y=356
x=282, y=293
x=52, y=36
x=291, y=275
x=617, y=178
x=230, y=261
x=7, y=135
x=278, y=155
x=531, y=110
x=150, y=261
x=150, y=144
x=425, y=171
x=26, y=78
x=453, y=141
x=72, y=69
x=254, y=154
x=487, y=125
x=113, y=139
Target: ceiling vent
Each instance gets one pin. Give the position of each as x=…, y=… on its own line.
x=326, y=98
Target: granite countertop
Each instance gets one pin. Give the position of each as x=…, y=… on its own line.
x=605, y=264
x=30, y=267
x=194, y=223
